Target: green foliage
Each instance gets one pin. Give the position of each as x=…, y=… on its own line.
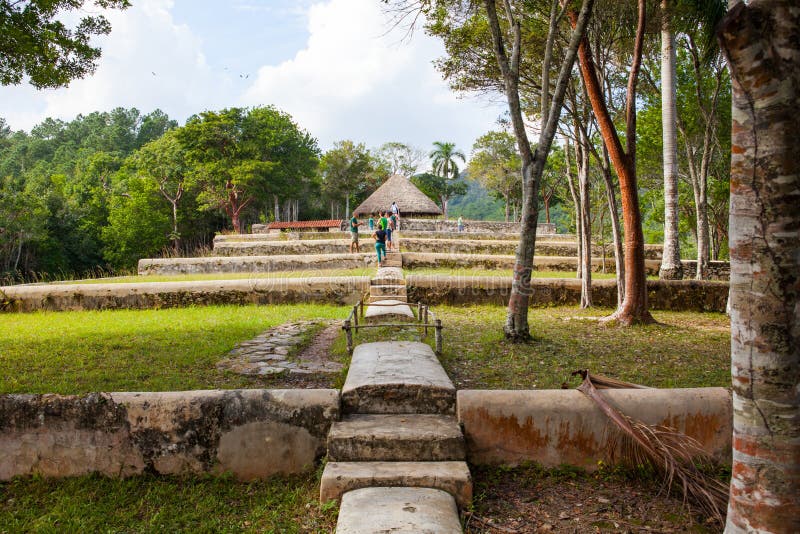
x=438, y=188
x=136, y=227
x=349, y=173
x=497, y=165
x=35, y=42
x=241, y=155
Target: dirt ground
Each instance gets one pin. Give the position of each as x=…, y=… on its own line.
x=530, y=500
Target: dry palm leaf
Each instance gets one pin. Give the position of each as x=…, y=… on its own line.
x=672, y=453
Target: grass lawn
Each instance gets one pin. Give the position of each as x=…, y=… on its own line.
x=684, y=349
x=164, y=504
x=135, y=350
x=177, y=349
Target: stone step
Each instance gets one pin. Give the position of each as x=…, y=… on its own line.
x=389, y=309
x=388, y=281
x=452, y=477
x=418, y=510
x=387, y=290
x=384, y=298
x=396, y=438
x=397, y=377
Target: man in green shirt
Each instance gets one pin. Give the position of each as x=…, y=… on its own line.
x=354, y=224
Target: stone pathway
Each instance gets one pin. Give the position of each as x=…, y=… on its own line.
x=269, y=353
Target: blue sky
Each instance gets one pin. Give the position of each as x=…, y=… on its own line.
x=332, y=64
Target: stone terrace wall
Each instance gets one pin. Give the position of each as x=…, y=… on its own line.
x=505, y=247
x=250, y=433
x=674, y=295
x=256, y=264
x=415, y=260
x=555, y=427
x=717, y=270
x=62, y=297
x=438, y=225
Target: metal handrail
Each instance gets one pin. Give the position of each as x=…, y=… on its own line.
x=423, y=314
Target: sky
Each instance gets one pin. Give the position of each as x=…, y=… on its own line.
x=336, y=66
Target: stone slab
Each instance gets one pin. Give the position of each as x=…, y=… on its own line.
x=397, y=377
x=387, y=298
x=388, y=290
x=452, y=477
x=396, y=438
x=388, y=309
x=383, y=510
x=554, y=427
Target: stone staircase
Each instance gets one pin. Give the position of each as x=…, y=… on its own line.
x=399, y=443
x=396, y=460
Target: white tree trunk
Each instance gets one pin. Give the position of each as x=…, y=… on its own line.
x=671, y=268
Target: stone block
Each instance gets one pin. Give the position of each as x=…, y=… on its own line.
x=383, y=510
x=397, y=377
x=452, y=477
x=395, y=438
x=554, y=427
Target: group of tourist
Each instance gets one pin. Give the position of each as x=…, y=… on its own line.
x=382, y=227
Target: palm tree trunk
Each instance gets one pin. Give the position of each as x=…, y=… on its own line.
x=763, y=49
x=671, y=268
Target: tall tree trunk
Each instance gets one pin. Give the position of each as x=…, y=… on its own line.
x=762, y=42
x=347, y=206
x=671, y=268
x=533, y=163
x=576, y=203
x=585, y=258
x=277, y=208
x=619, y=251
x=505, y=196
x=634, y=307
x=703, y=237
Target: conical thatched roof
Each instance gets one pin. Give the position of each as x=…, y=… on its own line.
x=398, y=188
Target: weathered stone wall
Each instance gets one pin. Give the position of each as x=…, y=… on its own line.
x=250, y=433
x=505, y=247
x=412, y=260
x=438, y=225
x=61, y=297
x=283, y=248
x=555, y=427
x=674, y=295
x=256, y=264
x=717, y=270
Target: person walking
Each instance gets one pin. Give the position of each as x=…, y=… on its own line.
x=371, y=223
x=460, y=224
x=383, y=222
x=396, y=212
x=354, y=224
x=380, y=244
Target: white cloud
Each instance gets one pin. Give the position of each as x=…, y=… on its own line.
x=354, y=80
x=351, y=79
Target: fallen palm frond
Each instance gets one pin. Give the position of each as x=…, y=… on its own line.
x=670, y=452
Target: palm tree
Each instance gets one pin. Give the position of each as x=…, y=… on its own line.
x=443, y=157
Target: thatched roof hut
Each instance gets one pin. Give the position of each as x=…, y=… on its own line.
x=411, y=201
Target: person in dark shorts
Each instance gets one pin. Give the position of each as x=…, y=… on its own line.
x=354, y=224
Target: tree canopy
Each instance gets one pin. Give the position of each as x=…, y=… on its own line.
x=37, y=44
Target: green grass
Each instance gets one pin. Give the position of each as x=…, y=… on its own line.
x=135, y=350
x=164, y=504
x=363, y=271
x=684, y=350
